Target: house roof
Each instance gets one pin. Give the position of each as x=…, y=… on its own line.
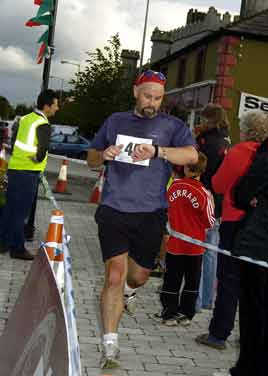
x=255, y=27
x=182, y=43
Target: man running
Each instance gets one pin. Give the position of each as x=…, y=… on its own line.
x=139, y=148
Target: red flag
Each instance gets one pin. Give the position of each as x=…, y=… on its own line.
x=32, y=23
x=41, y=53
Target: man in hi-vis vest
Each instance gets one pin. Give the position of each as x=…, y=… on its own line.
x=28, y=159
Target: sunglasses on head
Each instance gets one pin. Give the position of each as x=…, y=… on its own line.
x=151, y=73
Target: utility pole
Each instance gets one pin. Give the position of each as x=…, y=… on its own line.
x=243, y=8
x=144, y=35
x=29, y=227
x=51, y=33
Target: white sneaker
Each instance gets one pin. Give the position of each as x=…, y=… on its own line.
x=110, y=355
x=130, y=303
x=222, y=373
x=177, y=320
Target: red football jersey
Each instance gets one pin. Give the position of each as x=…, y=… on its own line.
x=191, y=213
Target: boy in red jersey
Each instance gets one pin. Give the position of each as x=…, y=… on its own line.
x=191, y=212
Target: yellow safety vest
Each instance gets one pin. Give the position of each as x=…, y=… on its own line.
x=26, y=144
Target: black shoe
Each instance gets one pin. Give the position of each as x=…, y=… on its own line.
x=29, y=232
x=3, y=248
x=22, y=255
x=29, y=238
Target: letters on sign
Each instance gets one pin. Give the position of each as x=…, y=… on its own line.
x=252, y=102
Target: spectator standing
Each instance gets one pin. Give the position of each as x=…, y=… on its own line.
x=214, y=142
x=28, y=159
x=251, y=241
x=140, y=147
x=191, y=212
x=235, y=165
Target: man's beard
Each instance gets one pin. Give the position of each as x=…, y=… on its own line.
x=147, y=112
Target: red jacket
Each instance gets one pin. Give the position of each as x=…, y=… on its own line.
x=190, y=212
x=235, y=164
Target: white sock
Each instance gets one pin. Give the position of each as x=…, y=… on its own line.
x=110, y=337
x=128, y=290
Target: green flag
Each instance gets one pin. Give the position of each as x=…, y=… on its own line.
x=44, y=8
x=44, y=38
x=43, y=20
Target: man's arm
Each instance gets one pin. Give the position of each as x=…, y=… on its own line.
x=176, y=155
x=95, y=158
x=43, y=136
x=179, y=155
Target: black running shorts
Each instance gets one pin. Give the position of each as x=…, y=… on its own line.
x=139, y=234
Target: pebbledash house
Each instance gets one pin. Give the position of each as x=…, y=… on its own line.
x=216, y=58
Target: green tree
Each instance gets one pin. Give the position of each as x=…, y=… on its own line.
x=6, y=110
x=22, y=109
x=101, y=88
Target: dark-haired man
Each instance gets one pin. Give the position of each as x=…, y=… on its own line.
x=139, y=148
x=28, y=159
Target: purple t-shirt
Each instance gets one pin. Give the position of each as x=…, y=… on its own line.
x=134, y=188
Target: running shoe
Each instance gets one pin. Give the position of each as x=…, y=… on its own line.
x=110, y=356
x=177, y=320
x=168, y=319
x=222, y=373
x=130, y=303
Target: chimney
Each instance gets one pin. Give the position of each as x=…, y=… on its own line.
x=129, y=61
x=251, y=7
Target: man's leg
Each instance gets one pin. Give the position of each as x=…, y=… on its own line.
x=112, y=293
x=137, y=275
x=19, y=182
x=112, y=308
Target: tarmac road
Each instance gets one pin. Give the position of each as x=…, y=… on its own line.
x=80, y=180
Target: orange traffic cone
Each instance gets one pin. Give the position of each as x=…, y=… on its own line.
x=61, y=185
x=95, y=196
x=54, y=234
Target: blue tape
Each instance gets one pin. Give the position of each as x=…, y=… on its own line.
x=212, y=247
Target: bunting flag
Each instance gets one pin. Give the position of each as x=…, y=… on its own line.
x=46, y=19
x=43, y=17
x=43, y=50
x=44, y=37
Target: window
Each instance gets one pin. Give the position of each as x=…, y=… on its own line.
x=181, y=72
x=73, y=139
x=200, y=64
x=57, y=138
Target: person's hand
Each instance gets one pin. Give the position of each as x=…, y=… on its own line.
x=111, y=152
x=253, y=203
x=211, y=198
x=33, y=159
x=143, y=152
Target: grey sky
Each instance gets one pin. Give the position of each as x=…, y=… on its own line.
x=82, y=26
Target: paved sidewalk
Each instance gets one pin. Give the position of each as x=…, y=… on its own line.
x=147, y=348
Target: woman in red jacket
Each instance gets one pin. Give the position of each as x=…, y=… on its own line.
x=253, y=130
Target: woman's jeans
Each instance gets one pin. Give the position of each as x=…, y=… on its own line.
x=207, y=286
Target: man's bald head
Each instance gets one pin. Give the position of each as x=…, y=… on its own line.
x=149, y=97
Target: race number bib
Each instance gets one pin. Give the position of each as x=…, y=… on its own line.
x=129, y=143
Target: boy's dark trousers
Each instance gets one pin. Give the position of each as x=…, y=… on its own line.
x=179, y=267
x=253, y=317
